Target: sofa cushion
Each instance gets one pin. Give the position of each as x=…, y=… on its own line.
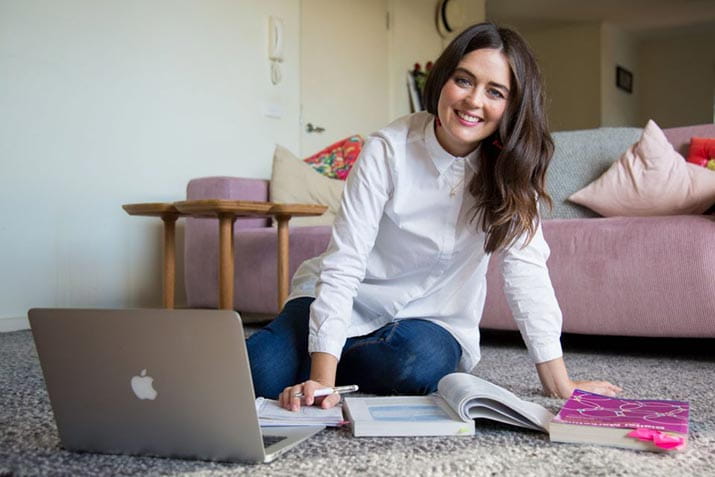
x=294, y=181
x=702, y=151
x=579, y=158
x=336, y=160
x=650, y=179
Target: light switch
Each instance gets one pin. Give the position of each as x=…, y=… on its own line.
x=273, y=110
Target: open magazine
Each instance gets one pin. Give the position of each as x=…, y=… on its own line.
x=460, y=399
x=475, y=398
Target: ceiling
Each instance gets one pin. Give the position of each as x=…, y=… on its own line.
x=639, y=16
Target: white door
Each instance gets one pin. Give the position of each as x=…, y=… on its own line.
x=343, y=70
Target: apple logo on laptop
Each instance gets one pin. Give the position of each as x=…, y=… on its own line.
x=142, y=386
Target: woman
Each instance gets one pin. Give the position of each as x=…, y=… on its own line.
x=394, y=303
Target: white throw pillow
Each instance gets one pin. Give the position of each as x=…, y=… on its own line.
x=294, y=181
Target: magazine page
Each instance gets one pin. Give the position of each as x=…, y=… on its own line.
x=483, y=408
x=472, y=397
x=270, y=413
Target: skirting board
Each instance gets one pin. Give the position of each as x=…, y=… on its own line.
x=13, y=323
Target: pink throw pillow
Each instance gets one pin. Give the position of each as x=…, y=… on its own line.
x=650, y=178
x=702, y=152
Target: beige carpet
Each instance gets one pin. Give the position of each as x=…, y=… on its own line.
x=29, y=444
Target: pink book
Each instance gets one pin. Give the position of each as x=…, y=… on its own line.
x=644, y=424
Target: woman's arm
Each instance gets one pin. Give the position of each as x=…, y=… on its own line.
x=344, y=263
x=556, y=382
x=343, y=266
x=531, y=297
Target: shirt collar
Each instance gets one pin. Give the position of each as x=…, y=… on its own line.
x=441, y=158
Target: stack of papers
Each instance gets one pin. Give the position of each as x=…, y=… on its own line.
x=270, y=413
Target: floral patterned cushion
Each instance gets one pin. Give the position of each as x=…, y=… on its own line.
x=336, y=160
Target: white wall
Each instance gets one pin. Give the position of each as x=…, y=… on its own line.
x=679, y=79
x=618, y=107
x=473, y=11
x=673, y=75
x=569, y=57
x=413, y=38
x=105, y=103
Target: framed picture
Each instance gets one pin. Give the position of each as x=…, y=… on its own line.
x=624, y=79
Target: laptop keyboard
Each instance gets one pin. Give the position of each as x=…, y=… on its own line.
x=270, y=440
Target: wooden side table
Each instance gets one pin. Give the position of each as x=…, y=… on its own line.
x=283, y=214
x=168, y=214
x=227, y=211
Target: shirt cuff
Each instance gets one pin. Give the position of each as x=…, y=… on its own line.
x=325, y=344
x=543, y=352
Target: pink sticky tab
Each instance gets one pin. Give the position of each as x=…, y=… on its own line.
x=665, y=441
x=659, y=439
x=642, y=434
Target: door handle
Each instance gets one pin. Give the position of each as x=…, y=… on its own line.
x=313, y=129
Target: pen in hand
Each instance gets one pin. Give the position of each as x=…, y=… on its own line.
x=328, y=391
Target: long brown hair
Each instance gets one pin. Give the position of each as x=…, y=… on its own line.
x=511, y=176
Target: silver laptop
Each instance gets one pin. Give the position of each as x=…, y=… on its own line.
x=171, y=383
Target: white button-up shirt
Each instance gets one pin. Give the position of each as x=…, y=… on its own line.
x=404, y=246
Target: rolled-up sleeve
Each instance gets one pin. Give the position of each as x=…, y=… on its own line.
x=531, y=297
x=343, y=266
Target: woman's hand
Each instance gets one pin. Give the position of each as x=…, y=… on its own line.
x=598, y=387
x=322, y=375
x=290, y=401
x=556, y=381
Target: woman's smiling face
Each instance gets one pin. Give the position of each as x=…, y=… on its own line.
x=473, y=100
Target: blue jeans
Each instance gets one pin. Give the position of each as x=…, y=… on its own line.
x=405, y=357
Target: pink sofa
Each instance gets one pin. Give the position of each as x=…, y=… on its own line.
x=632, y=276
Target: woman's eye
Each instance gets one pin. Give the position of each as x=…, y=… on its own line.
x=495, y=93
x=462, y=82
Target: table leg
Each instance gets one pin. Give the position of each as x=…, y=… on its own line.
x=226, y=257
x=169, y=259
x=283, y=259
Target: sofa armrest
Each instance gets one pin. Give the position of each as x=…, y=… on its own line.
x=680, y=137
x=231, y=188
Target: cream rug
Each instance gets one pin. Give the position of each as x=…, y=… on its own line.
x=672, y=369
